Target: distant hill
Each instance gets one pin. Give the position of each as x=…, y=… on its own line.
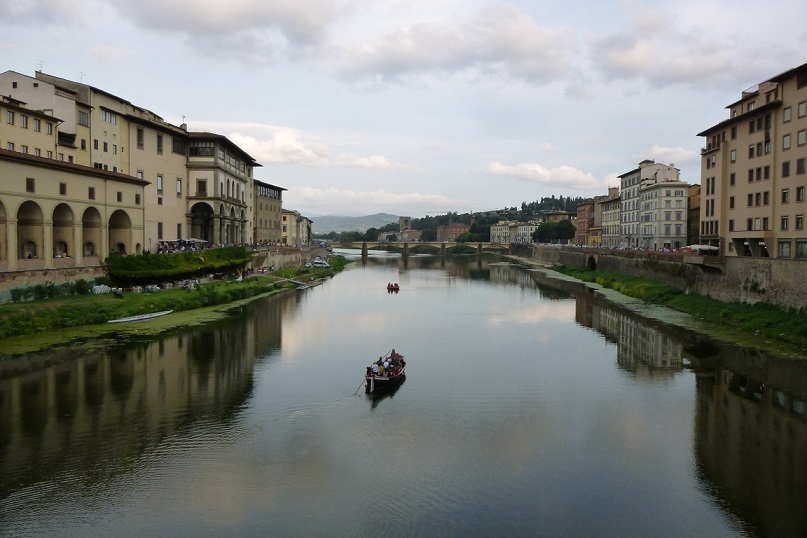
x=327, y=224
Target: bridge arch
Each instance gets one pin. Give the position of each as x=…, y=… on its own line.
x=591, y=262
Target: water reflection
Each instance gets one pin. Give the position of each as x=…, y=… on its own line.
x=750, y=437
x=77, y=422
x=67, y=413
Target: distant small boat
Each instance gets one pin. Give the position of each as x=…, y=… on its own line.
x=141, y=317
x=393, y=287
x=303, y=287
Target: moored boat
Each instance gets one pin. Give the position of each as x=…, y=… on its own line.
x=386, y=372
x=393, y=287
x=141, y=317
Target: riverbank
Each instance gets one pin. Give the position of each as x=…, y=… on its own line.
x=37, y=325
x=776, y=330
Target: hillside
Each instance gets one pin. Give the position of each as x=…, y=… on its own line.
x=327, y=224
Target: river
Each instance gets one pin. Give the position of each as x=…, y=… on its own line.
x=532, y=407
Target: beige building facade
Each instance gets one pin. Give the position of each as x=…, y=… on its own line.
x=268, y=211
x=754, y=172
x=61, y=215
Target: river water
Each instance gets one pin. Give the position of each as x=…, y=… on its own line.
x=532, y=407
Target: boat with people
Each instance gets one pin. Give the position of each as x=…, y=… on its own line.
x=387, y=372
x=393, y=287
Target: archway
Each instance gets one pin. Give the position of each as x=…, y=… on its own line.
x=120, y=232
x=3, y=232
x=91, y=225
x=30, y=230
x=63, y=224
x=591, y=263
x=202, y=222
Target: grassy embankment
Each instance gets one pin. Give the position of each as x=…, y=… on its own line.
x=758, y=322
x=40, y=316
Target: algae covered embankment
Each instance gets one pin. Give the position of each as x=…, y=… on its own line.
x=35, y=325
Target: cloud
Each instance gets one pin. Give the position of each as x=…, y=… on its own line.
x=500, y=40
x=561, y=176
x=333, y=201
x=285, y=145
x=677, y=156
x=300, y=21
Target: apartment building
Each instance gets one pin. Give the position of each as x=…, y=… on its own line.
x=609, y=212
x=450, y=232
x=663, y=215
x=296, y=229
x=632, y=209
x=268, y=211
x=585, y=221
x=754, y=172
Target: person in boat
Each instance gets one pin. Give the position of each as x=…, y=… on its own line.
x=375, y=368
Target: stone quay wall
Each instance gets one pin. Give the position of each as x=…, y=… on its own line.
x=729, y=279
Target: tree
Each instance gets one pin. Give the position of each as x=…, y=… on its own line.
x=371, y=234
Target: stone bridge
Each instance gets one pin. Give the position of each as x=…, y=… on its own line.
x=501, y=248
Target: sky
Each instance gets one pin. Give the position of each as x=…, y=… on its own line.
x=418, y=107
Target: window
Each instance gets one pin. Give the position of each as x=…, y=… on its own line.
x=803, y=109
x=787, y=113
x=159, y=200
x=734, y=133
x=109, y=117
x=733, y=155
x=10, y=118
x=759, y=149
x=799, y=194
x=759, y=174
x=23, y=121
x=786, y=141
x=139, y=174
x=201, y=187
x=10, y=146
x=732, y=179
x=179, y=186
x=179, y=230
x=84, y=144
x=23, y=149
x=731, y=225
x=750, y=200
x=159, y=230
x=139, y=138
x=106, y=147
x=758, y=199
x=95, y=144
x=801, y=137
x=63, y=189
x=37, y=125
x=784, y=222
x=751, y=151
x=160, y=144
x=50, y=154
x=91, y=193
x=30, y=184
x=766, y=172
x=785, y=196
x=784, y=248
x=766, y=198
x=765, y=223
x=786, y=169
x=799, y=222
x=177, y=145
x=749, y=224
x=800, y=165
x=137, y=199
x=159, y=183
x=83, y=118
x=37, y=152
x=731, y=202
x=750, y=175
x=114, y=149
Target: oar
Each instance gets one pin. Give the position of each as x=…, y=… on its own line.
x=357, y=390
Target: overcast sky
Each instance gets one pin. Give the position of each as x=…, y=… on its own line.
x=413, y=107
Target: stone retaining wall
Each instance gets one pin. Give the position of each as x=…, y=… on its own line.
x=747, y=280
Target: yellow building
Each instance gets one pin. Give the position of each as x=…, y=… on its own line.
x=754, y=172
x=55, y=214
x=268, y=213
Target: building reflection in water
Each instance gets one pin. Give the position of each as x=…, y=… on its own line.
x=84, y=413
x=750, y=413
